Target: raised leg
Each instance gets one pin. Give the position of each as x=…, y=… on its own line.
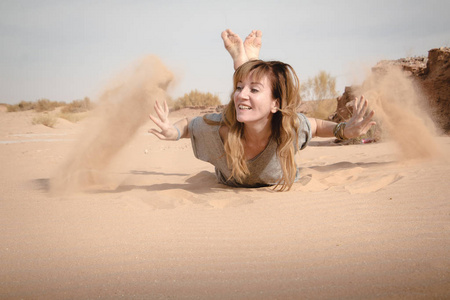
x=252, y=44
x=235, y=47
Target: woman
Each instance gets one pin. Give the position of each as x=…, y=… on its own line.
x=254, y=141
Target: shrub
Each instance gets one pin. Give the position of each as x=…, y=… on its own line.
x=322, y=109
x=322, y=86
x=45, y=119
x=73, y=117
x=22, y=106
x=78, y=106
x=196, y=98
x=40, y=106
x=12, y=108
x=47, y=105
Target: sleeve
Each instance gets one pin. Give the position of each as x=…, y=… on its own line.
x=197, y=133
x=204, y=138
x=304, y=131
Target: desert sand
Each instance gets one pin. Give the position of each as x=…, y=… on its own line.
x=362, y=223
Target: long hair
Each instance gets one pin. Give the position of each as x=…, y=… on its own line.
x=286, y=88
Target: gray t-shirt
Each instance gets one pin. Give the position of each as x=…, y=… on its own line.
x=264, y=169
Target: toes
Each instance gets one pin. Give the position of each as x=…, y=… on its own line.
x=224, y=35
x=227, y=34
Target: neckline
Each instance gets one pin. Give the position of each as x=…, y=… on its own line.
x=262, y=152
x=252, y=159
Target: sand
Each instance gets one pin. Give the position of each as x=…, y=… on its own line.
x=360, y=224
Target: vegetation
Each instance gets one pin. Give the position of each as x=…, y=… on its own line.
x=196, y=98
x=73, y=112
x=46, y=119
x=22, y=106
x=78, y=106
x=322, y=109
x=73, y=117
x=40, y=106
x=47, y=105
x=320, y=87
x=44, y=105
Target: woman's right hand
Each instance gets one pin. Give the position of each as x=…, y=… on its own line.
x=168, y=131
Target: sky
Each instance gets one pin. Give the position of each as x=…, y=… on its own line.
x=67, y=50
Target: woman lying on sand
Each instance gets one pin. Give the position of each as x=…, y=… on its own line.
x=252, y=143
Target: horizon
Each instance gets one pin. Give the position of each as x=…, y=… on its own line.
x=65, y=51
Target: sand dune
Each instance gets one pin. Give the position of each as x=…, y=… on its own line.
x=359, y=224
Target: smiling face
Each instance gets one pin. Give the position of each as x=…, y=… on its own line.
x=254, y=101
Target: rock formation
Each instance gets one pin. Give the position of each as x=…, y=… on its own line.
x=431, y=75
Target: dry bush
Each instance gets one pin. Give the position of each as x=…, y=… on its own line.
x=22, y=106
x=40, y=106
x=45, y=119
x=73, y=117
x=322, y=86
x=196, y=98
x=78, y=106
x=322, y=109
x=47, y=105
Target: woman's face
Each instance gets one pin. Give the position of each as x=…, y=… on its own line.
x=254, y=101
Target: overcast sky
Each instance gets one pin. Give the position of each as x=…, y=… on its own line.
x=66, y=50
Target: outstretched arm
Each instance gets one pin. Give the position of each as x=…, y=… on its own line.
x=356, y=126
x=168, y=131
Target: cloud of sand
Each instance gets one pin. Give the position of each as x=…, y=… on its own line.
x=401, y=111
x=122, y=109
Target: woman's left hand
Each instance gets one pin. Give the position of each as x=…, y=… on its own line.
x=359, y=123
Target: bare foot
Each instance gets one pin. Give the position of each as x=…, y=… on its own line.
x=252, y=44
x=235, y=47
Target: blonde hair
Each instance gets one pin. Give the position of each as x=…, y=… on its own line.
x=285, y=124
